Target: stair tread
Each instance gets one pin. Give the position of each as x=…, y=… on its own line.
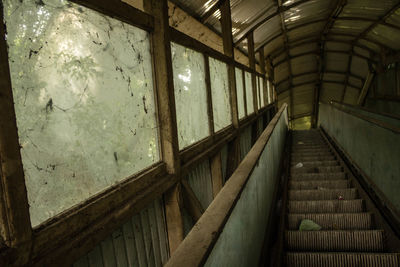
x=335, y=240
x=337, y=221
x=325, y=206
x=317, y=176
x=328, y=194
x=315, y=184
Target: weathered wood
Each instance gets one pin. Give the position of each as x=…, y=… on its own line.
x=201, y=239
x=209, y=95
x=121, y=11
x=191, y=202
x=364, y=90
x=17, y=226
x=167, y=114
x=252, y=60
x=216, y=173
x=173, y=216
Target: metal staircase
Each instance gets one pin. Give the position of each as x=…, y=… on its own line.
x=319, y=190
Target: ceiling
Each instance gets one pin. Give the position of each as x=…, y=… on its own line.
x=319, y=49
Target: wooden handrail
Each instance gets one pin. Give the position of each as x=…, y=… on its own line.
x=198, y=244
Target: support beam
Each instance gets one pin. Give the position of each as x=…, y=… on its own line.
x=364, y=91
x=15, y=227
x=346, y=80
x=252, y=61
x=191, y=202
x=167, y=115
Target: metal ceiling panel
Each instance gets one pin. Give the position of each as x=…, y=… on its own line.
x=329, y=76
x=354, y=82
x=336, y=62
x=279, y=58
x=308, y=30
x=283, y=87
x=350, y=26
x=331, y=91
x=281, y=72
x=386, y=35
x=303, y=64
x=370, y=9
x=267, y=30
x=362, y=51
x=359, y=66
x=351, y=95
x=303, y=49
x=309, y=11
x=303, y=97
x=272, y=46
x=369, y=45
x=337, y=46
x=310, y=77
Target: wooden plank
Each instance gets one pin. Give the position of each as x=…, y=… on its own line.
x=209, y=95
x=191, y=202
x=216, y=173
x=174, y=218
x=252, y=60
x=17, y=227
x=364, y=91
x=121, y=11
x=201, y=239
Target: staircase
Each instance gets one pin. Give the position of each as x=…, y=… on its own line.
x=320, y=191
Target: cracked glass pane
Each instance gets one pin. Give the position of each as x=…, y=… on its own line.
x=249, y=93
x=240, y=92
x=190, y=95
x=84, y=101
x=220, y=94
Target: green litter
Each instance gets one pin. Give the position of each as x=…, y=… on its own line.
x=309, y=225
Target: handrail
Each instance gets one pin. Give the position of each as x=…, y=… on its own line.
x=198, y=244
x=393, y=116
x=366, y=118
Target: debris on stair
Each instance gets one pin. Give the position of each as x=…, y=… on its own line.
x=298, y=165
x=309, y=225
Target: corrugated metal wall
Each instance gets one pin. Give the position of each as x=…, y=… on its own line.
x=245, y=142
x=141, y=241
x=200, y=181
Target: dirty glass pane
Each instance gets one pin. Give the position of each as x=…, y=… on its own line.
x=220, y=94
x=262, y=101
x=240, y=92
x=84, y=101
x=269, y=92
x=190, y=95
x=249, y=93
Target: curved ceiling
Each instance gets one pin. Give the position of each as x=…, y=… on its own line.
x=319, y=49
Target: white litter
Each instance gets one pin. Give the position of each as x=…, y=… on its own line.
x=300, y=143
x=299, y=165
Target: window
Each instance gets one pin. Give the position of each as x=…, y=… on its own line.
x=84, y=101
x=220, y=94
x=262, y=100
x=190, y=95
x=249, y=93
x=240, y=92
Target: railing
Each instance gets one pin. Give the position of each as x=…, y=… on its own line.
x=372, y=146
x=231, y=231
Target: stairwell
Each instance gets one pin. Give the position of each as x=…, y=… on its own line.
x=319, y=190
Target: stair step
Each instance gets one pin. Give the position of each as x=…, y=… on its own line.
x=300, y=155
x=308, y=164
x=309, y=159
x=300, y=148
x=321, y=169
x=333, y=221
x=310, y=151
x=361, y=241
x=318, y=176
x=329, y=194
x=326, y=206
x=294, y=259
x=318, y=184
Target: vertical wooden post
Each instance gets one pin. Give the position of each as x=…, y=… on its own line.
x=216, y=173
x=17, y=228
x=210, y=112
x=252, y=61
x=263, y=71
x=167, y=115
x=226, y=25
